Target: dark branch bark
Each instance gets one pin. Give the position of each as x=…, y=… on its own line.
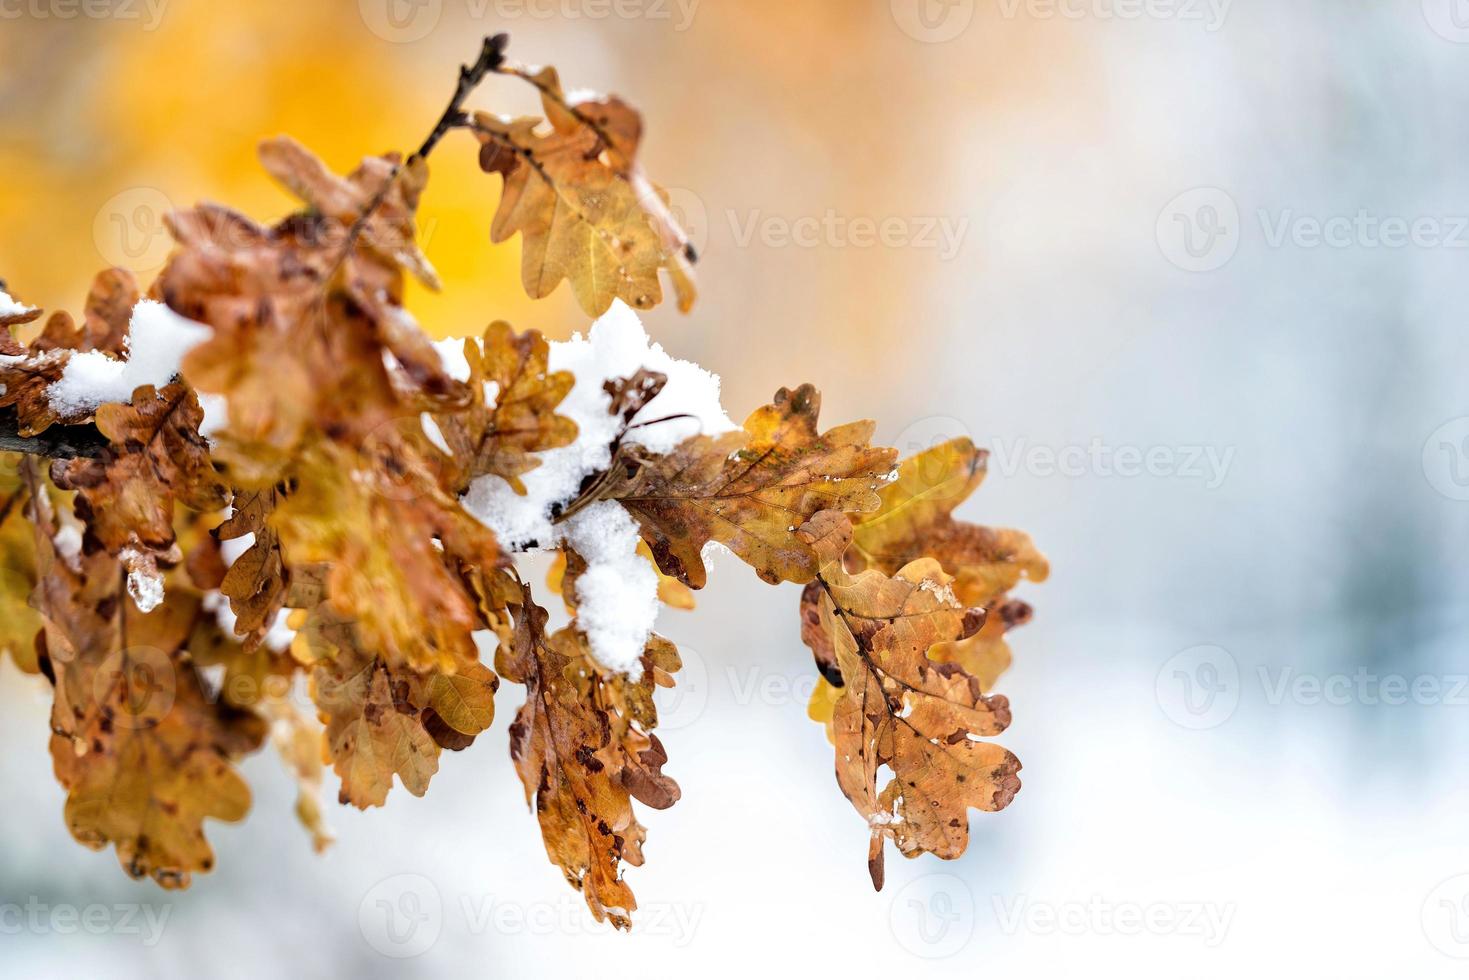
x=57, y=442
x=491, y=57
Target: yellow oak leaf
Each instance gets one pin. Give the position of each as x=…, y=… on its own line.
x=575, y=190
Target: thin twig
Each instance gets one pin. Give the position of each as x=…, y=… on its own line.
x=491, y=55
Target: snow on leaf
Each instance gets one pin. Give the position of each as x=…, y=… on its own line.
x=13, y=313
x=501, y=436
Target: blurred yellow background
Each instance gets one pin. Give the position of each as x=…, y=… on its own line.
x=758, y=113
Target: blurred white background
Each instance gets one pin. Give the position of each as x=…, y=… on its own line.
x=1204, y=298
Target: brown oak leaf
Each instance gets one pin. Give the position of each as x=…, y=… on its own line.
x=157, y=457
x=374, y=727
x=499, y=435
x=900, y=709
x=583, y=746
x=144, y=754
x=751, y=490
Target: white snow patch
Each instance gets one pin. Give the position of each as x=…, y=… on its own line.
x=616, y=347
x=216, y=414
x=145, y=581
x=158, y=339
x=434, y=433
x=617, y=596
x=12, y=307
x=451, y=352
x=68, y=544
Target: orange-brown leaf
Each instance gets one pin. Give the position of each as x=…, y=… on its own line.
x=898, y=708
x=750, y=491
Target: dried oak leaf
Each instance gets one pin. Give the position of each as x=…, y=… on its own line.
x=256, y=585
x=26, y=372
x=502, y=438
x=583, y=747
x=109, y=311
x=157, y=457
x=751, y=490
x=900, y=709
x=916, y=520
x=394, y=543
x=307, y=316
x=390, y=231
x=374, y=727
x=24, y=378
x=144, y=754
x=576, y=192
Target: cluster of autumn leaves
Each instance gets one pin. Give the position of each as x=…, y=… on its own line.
x=323, y=504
